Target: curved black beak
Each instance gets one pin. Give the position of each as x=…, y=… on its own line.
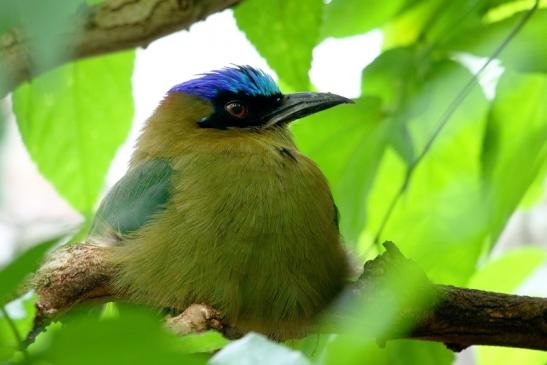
x=298, y=105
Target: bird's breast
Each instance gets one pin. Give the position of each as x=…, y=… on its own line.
x=267, y=192
x=250, y=232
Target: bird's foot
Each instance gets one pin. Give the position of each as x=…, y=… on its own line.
x=196, y=318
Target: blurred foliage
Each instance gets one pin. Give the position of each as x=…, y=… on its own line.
x=83, y=335
x=45, y=22
x=489, y=159
x=285, y=43
x=74, y=106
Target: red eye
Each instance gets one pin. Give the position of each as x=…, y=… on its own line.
x=236, y=109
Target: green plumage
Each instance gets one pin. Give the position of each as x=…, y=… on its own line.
x=228, y=213
x=132, y=201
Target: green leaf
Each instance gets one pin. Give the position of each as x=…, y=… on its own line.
x=509, y=356
x=349, y=17
x=535, y=192
x=8, y=16
x=257, y=349
x=377, y=318
x=430, y=23
x=134, y=337
x=23, y=324
x=444, y=191
x=515, y=144
x=14, y=273
x=396, y=76
x=527, y=51
x=285, y=33
x=347, y=142
x=73, y=120
x=405, y=28
x=504, y=274
x=208, y=341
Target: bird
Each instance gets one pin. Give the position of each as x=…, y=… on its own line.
x=219, y=206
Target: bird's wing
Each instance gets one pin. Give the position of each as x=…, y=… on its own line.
x=131, y=203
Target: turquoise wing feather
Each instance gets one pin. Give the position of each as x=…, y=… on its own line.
x=132, y=201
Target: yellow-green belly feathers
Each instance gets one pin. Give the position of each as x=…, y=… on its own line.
x=251, y=231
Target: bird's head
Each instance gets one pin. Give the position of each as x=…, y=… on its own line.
x=232, y=102
x=245, y=97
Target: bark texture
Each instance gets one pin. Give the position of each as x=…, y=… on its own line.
x=458, y=317
x=110, y=26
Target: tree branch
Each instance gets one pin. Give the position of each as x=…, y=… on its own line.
x=110, y=26
x=458, y=317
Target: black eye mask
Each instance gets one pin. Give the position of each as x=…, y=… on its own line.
x=255, y=108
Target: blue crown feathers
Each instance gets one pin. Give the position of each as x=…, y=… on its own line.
x=237, y=79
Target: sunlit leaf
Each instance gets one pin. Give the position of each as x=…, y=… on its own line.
x=430, y=23
x=73, y=120
x=377, y=318
x=349, y=17
x=501, y=9
x=444, y=192
x=202, y=342
x=506, y=273
x=285, y=33
x=352, y=351
x=509, y=356
x=536, y=190
x=527, y=51
x=405, y=28
x=396, y=76
x=257, y=349
x=515, y=144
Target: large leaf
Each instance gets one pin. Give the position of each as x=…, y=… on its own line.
x=347, y=142
x=438, y=221
x=431, y=22
x=396, y=76
x=74, y=119
x=527, y=51
x=349, y=17
x=285, y=33
x=504, y=274
x=515, y=145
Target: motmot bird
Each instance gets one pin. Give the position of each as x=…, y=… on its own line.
x=220, y=207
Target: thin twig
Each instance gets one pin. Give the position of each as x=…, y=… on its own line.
x=452, y=108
